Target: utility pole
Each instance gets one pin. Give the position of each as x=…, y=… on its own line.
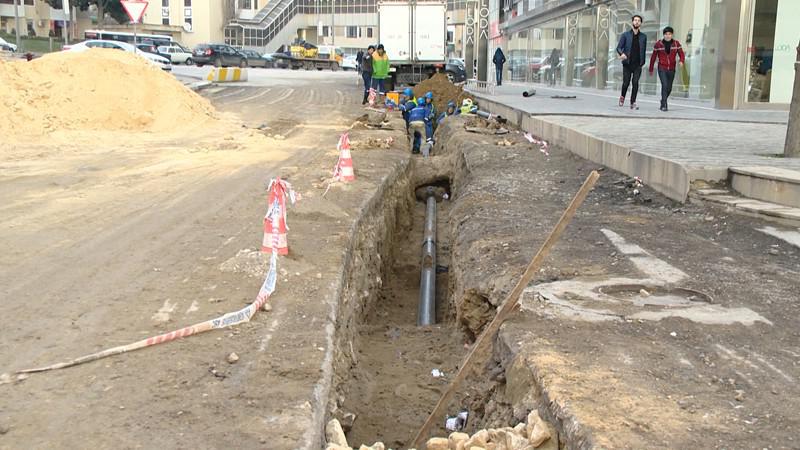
x=792, y=147
x=333, y=22
x=16, y=24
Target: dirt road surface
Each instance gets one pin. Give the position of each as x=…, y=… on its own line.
x=110, y=243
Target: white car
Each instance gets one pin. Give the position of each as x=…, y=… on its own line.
x=349, y=63
x=177, y=55
x=160, y=61
x=4, y=43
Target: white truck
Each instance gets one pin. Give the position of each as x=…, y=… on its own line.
x=414, y=34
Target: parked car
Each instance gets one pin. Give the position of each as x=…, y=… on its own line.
x=255, y=59
x=457, y=62
x=177, y=55
x=150, y=48
x=455, y=72
x=349, y=63
x=160, y=61
x=278, y=62
x=5, y=45
x=220, y=55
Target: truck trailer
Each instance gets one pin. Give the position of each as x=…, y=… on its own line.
x=414, y=34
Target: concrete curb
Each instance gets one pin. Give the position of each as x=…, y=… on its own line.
x=199, y=85
x=670, y=178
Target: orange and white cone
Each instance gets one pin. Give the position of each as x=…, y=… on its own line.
x=344, y=167
x=275, y=239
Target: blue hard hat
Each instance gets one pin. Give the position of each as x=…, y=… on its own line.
x=408, y=92
x=429, y=94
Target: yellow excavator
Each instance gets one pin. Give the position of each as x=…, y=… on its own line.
x=301, y=54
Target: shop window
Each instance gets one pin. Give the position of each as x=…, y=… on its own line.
x=353, y=32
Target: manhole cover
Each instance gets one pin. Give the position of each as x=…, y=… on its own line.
x=646, y=295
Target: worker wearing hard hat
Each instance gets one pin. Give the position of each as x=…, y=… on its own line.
x=407, y=103
x=417, y=127
x=430, y=115
x=450, y=111
x=467, y=107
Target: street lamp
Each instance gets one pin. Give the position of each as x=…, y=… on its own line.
x=16, y=24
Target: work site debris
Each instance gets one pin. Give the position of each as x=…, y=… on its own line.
x=334, y=433
x=529, y=93
x=524, y=436
x=563, y=97
x=372, y=143
x=505, y=143
x=233, y=358
x=98, y=89
x=543, y=145
x=443, y=91
x=457, y=422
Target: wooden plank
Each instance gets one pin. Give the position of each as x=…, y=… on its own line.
x=507, y=307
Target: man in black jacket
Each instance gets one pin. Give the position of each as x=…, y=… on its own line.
x=631, y=50
x=498, y=60
x=366, y=71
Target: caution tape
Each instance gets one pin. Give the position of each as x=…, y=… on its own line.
x=226, y=320
x=543, y=145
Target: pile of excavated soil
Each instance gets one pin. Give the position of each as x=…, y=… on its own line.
x=98, y=89
x=443, y=91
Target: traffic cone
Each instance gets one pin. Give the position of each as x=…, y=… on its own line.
x=344, y=167
x=275, y=220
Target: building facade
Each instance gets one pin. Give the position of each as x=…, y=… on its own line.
x=739, y=53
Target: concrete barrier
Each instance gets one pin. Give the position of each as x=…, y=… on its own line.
x=223, y=74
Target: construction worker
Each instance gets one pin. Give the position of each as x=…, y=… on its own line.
x=380, y=69
x=451, y=110
x=467, y=107
x=417, y=127
x=430, y=116
x=407, y=103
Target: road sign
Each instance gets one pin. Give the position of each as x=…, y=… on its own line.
x=135, y=9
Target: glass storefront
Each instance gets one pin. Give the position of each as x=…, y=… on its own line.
x=583, y=46
x=771, y=52
x=585, y=42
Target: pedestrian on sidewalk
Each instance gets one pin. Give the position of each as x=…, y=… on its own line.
x=366, y=71
x=380, y=69
x=631, y=50
x=555, y=66
x=498, y=60
x=666, y=50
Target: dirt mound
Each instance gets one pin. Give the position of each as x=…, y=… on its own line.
x=98, y=89
x=443, y=91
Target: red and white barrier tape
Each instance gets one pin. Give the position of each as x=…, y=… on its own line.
x=543, y=145
x=284, y=190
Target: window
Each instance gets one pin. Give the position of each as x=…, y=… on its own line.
x=326, y=31
x=165, y=21
x=369, y=32
x=188, y=23
x=353, y=32
x=187, y=3
x=165, y=4
x=247, y=4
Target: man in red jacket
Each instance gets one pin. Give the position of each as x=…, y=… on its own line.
x=666, y=50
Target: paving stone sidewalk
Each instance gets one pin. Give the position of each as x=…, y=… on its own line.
x=706, y=141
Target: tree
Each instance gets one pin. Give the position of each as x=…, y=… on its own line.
x=792, y=148
x=112, y=7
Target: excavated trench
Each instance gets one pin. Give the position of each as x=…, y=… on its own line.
x=388, y=372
